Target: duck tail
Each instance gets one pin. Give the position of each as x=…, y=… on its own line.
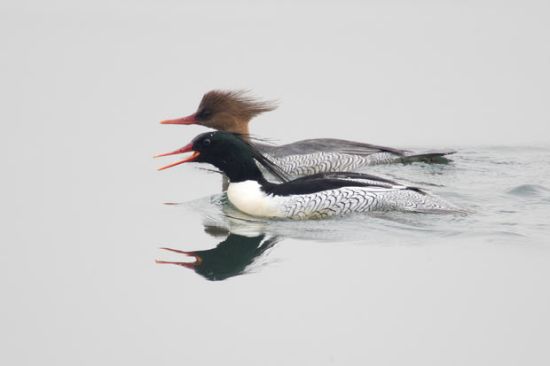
x=431, y=156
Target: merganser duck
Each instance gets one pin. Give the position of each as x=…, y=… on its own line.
x=231, y=257
x=317, y=196
x=231, y=111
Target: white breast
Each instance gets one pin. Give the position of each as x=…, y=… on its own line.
x=248, y=197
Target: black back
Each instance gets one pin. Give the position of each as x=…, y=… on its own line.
x=327, y=181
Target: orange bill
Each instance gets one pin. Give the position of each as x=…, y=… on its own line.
x=189, y=120
x=186, y=148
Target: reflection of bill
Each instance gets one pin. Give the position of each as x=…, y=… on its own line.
x=231, y=257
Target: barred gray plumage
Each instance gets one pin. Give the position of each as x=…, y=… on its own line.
x=308, y=164
x=358, y=199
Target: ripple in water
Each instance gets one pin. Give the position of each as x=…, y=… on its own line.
x=530, y=190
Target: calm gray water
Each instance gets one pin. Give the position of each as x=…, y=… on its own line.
x=81, y=285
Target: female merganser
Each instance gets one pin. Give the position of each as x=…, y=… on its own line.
x=317, y=196
x=231, y=111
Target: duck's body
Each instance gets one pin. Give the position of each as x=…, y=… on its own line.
x=232, y=111
x=254, y=199
x=314, y=156
x=315, y=196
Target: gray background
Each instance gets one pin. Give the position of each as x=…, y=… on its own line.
x=83, y=87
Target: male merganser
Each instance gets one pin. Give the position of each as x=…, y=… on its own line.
x=231, y=111
x=316, y=196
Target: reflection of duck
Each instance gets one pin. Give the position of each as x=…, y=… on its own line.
x=230, y=258
x=231, y=111
x=316, y=196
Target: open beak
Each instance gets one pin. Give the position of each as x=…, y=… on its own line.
x=189, y=120
x=190, y=265
x=186, y=148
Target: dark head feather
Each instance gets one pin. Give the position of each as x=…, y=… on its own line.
x=237, y=103
x=264, y=161
x=233, y=154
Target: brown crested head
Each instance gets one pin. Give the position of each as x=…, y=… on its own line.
x=226, y=111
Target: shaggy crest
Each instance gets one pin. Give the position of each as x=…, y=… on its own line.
x=238, y=103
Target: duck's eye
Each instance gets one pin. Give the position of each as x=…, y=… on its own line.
x=204, y=114
x=206, y=142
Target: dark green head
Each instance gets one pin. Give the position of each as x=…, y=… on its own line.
x=229, y=153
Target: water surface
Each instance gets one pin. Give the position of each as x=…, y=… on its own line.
x=81, y=285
